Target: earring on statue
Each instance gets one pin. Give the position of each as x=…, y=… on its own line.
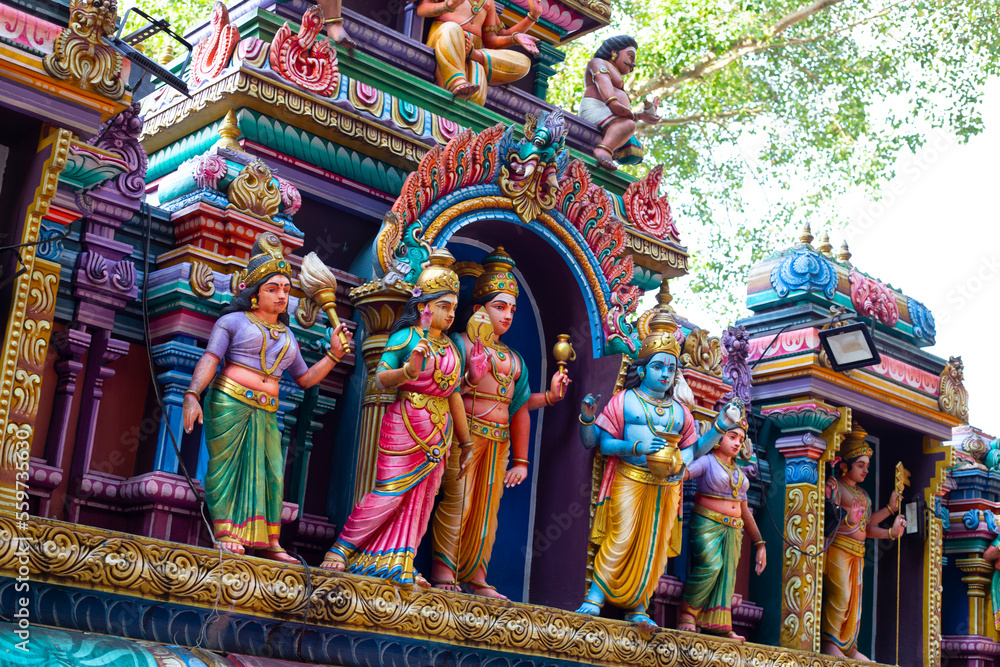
x=253, y=303
x=614, y=55
x=641, y=372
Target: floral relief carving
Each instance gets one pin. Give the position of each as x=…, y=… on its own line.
x=305, y=60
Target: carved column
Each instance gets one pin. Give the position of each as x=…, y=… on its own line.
x=545, y=67
x=978, y=575
x=71, y=344
x=33, y=301
x=380, y=305
x=179, y=359
x=807, y=425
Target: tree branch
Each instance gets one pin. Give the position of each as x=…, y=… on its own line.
x=711, y=62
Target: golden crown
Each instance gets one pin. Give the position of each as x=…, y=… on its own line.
x=266, y=257
x=661, y=328
x=854, y=444
x=438, y=276
x=497, y=276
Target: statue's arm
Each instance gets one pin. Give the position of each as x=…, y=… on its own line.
x=728, y=417
x=600, y=74
x=612, y=446
x=203, y=373
x=457, y=408
x=429, y=9
x=494, y=34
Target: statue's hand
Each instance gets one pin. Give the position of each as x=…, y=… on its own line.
x=534, y=12
x=898, y=527
x=515, y=475
x=336, y=345
x=651, y=447
x=894, y=502
x=465, y=461
x=415, y=363
x=761, y=559
x=452, y=5
x=191, y=412
x=528, y=42
x=479, y=362
x=558, y=385
x=831, y=486
x=732, y=414
x=681, y=476
x=588, y=407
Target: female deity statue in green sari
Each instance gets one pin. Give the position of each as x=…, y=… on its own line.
x=716, y=536
x=465, y=522
x=244, y=482
x=649, y=437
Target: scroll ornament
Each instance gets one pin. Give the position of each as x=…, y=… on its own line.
x=212, y=54
x=953, y=398
x=253, y=192
x=305, y=60
x=80, y=54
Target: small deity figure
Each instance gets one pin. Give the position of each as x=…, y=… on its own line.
x=992, y=555
x=649, y=437
x=473, y=48
x=845, y=557
x=497, y=407
x=606, y=104
x=716, y=536
x=381, y=536
x=334, y=23
x=244, y=482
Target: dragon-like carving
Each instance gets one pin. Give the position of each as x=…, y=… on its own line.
x=81, y=55
x=873, y=299
x=736, y=340
x=646, y=210
x=254, y=192
x=305, y=60
x=533, y=166
x=953, y=398
x=212, y=54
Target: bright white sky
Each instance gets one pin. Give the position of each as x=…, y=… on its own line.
x=935, y=235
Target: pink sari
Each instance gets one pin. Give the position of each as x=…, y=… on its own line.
x=381, y=536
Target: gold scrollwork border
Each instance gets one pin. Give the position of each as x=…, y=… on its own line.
x=78, y=556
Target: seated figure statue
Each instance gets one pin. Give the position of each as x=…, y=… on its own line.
x=649, y=437
x=606, y=104
x=473, y=48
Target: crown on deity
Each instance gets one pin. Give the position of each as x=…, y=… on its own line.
x=662, y=326
x=497, y=276
x=854, y=445
x=266, y=257
x=437, y=276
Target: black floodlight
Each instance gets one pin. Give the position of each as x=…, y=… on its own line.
x=126, y=46
x=849, y=347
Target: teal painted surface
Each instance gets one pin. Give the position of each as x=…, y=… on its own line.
x=57, y=648
x=170, y=157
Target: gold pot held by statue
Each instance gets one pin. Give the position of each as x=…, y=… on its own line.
x=668, y=461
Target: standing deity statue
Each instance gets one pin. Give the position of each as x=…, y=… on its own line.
x=244, y=482
x=381, y=536
x=842, y=572
x=497, y=406
x=716, y=536
x=473, y=48
x=606, y=104
x=649, y=437
x=992, y=555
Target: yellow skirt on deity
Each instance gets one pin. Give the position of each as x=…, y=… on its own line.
x=842, y=592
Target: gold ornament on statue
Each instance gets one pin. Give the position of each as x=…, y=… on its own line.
x=563, y=351
x=320, y=285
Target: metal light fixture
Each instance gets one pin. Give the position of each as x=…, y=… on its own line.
x=126, y=45
x=849, y=347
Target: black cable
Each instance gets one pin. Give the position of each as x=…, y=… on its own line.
x=38, y=242
x=147, y=234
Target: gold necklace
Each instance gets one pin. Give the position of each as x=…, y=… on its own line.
x=502, y=380
x=735, y=480
x=660, y=405
x=649, y=419
x=477, y=6
x=275, y=329
x=264, y=326
x=855, y=495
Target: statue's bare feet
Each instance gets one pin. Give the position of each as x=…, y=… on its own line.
x=234, y=547
x=687, y=626
x=589, y=608
x=603, y=157
x=733, y=635
x=465, y=90
x=486, y=590
x=333, y=561
x=420, y=581
x=278, y=554
x=858, y=655
x=642, y=619
x=337, y=33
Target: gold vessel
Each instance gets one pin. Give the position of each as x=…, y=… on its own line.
x=667, y=461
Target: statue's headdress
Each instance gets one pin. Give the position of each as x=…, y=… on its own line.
x=438, y=275
x=854, y=445
x=266, y=257
x=497, y=276
x=662, y=326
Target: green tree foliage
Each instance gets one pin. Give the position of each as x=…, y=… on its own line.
x=774, y=111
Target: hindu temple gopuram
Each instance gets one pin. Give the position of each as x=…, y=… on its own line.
x=325, y=343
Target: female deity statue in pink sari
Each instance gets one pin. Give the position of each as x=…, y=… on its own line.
x=381, y=536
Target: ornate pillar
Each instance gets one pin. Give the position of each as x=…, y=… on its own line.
x=380, y=305
x=545, y=67
x=812, y=433
x=978, y=575
x=26, y=337
x=179, y=359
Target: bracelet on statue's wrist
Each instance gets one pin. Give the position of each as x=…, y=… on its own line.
x=339, y=19
x=635, y=448
x=196, y=395
x=332, y=356
x=548, y=401
x=469, y=381
x=611, y=99
x=715, y=425
x=587, y=423
x=407, y=376
x=523, y=462
x=463, y=445
x=759, y=543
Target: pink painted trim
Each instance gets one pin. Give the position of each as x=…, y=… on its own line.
x=27, y=30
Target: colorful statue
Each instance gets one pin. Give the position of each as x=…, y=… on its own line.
x=473, y=48
x=381, y=536
x=842, y=576
x=243, y=484
x=716, y=536
x=649, y=437
x=465, y=521
x=992, y=555
x=606, y=104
